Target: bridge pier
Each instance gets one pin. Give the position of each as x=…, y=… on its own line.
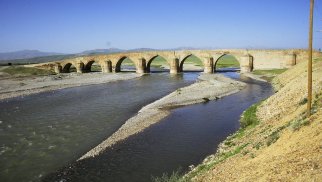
x=58, y=68
x=80, y=67
x=106, y=67
x=246, y=64
x=140, y=66
x=208, y=65
x=174, y=66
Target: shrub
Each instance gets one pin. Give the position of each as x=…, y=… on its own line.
x=303, y=101
x=174, y=177
x=297, y=124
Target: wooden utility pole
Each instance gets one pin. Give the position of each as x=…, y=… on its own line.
x=309, y=66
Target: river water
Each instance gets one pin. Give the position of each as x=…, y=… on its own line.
x=43, y=132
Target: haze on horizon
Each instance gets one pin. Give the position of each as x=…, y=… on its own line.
x=77, y=25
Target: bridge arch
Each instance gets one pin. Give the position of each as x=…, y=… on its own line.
x=193, y=58
x=121, y=60
x=227, y=60
x=93, y=66
x=157, y=57
x=69, y=67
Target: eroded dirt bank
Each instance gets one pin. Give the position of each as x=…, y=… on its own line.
x=208, y=87
x=284, y=145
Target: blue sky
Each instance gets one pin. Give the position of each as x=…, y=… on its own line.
x=71, y=26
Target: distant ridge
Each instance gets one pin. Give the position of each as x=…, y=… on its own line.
x=25, y=54
x=101, y=51
x=113, y=50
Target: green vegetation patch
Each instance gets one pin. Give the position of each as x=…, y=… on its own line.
x=193, y=60
x=26, y=71
x=275, y=135
x=158, y=62
x=298, y=123
x=127, y=62
x=272, y=72
x=249, y=117
x=175, y=176
x=303, y=101
x=227, y=61
x=317, y=59
x=96, y=68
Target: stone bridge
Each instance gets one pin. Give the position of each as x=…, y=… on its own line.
x=248, y=60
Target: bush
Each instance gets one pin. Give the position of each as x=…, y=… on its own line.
x=297, y=124
x=174, y=177
x=303, y=101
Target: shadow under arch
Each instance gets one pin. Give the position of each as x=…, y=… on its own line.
x=128, y=62
x=192, y=59
x=227, y=62
x=159, y=59
x=68, y=68
x=92, y=66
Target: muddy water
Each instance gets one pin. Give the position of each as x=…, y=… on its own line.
x=184, y=138
x=43, y=132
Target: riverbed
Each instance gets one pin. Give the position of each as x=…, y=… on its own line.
x=84, y=116
x=42, y=132
x=182, y=139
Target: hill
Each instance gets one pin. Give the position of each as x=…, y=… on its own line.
x=25, y=54
x=37, y=59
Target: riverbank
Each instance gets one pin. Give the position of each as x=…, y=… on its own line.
x=17, y=85
x=208, y=87
x=29, y=82
x=279, y=142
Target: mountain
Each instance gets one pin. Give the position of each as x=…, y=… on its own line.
x=141, y=50
x=101, y=51
x=113, y=50
x=25, y=54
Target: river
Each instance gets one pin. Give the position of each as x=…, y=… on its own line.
x=43, y=132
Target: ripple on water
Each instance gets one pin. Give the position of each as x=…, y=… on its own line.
x=48, y=130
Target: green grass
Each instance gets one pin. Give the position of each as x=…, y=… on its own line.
x=269, y=72
x=249, y=117
x=26, y=71
x=193, y=60
x=317, y=59
x=158, y=62
x=176, y=176
x=298, y=123
x=96, y=68
x=127, y=62
x=227, y=61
